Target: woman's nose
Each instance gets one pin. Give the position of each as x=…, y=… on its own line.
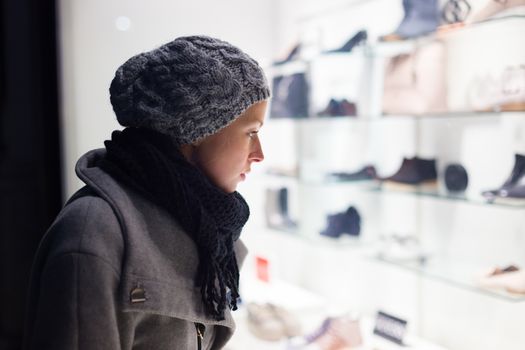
x=257, y=154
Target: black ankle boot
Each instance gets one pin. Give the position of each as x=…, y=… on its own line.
x=415, y=171
x=348, y=222
x=421, y=18
x=512, y=187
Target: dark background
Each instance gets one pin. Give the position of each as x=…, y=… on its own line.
x=30, y=183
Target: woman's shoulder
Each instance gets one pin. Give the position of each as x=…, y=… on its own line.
x=86, y=225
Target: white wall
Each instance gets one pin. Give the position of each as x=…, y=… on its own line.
x=92, y=48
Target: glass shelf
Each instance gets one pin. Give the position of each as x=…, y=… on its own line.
x=443, y=194
x=453, y=272
x=376, y=186
x=289, y=67
x=291, y=173
x=336, y=9
x=444, y=32
x=457, y=114
x=391, y=48
x=290, y=230
x=343, y=242
x=379, y=118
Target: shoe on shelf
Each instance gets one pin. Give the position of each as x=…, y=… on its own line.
x=456, y=178
x=498, y=8
x=263, y=324
x=502, y=92
x=348, y=108
x=514, y=186
x=336, y=108
x=289, y=96
x=291, y=56
x=291, y=325
x=421, y=18
x=368, y=172
x=287, y=222
x=499, y=271
x=512, y=280
x=359, y=38
x=415, y=171
x=271, y=322
x=455, y=11
x=276, y=210
x=335, y=333
x=348, y=222
x=513, y=89
x=332, y=109
x=401, y=248
x=517, y=192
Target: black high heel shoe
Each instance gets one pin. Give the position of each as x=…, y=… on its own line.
x=358, y=38
x=292, y=55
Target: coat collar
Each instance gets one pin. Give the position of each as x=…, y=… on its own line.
x=160, y=260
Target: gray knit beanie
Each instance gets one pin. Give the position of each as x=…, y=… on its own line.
x=189, y=88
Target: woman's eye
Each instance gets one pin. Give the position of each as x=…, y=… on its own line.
x=252, y=134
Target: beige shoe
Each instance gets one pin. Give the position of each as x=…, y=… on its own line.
x=513, y=281
x=292, y=327
x=263, y=324
x=271, y=322
x=495, y=7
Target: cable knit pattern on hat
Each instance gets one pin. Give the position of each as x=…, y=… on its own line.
x=189, y=88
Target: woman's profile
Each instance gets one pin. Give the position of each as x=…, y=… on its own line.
x=146, y=255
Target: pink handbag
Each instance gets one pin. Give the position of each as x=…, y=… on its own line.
x=415, y=83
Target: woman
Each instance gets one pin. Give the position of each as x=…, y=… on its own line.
x=145, y=256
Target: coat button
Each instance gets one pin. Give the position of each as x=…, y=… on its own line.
x=137, y=294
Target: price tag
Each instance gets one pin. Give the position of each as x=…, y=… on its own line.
x=262, y=268
x=390, y=327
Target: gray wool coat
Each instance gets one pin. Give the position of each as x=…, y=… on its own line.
x=116, y=271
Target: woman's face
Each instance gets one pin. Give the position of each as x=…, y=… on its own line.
x=227, y=156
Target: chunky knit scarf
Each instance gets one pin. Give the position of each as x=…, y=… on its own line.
x=151, y=163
